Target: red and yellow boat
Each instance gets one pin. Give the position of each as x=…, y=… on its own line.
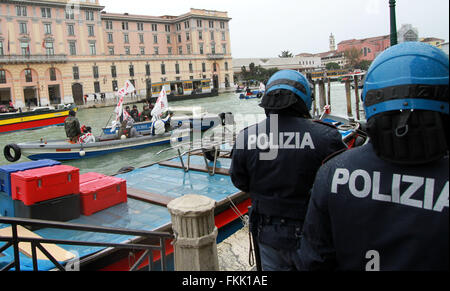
x=38, y=118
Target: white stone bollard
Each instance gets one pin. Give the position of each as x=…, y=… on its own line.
x=195, y=244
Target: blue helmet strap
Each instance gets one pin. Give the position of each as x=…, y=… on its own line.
x=402, y=126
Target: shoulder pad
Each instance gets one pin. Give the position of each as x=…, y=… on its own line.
x=325, y=123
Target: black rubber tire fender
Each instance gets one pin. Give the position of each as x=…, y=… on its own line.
x=17, y=153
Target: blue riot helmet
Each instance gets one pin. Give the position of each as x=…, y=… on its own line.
x=287, y=88
x=408, y=76
x=407, y=103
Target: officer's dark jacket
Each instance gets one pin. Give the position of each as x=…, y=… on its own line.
x=399, y=212
x=281, y=187
x=72, y=127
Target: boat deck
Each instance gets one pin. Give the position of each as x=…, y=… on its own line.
x=150, y=189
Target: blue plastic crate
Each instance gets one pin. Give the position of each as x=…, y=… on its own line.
x=6, y=171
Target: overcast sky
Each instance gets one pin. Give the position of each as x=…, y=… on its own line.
x=264, y=28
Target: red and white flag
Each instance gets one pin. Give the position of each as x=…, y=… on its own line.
x=128, y=88
x=161, y=105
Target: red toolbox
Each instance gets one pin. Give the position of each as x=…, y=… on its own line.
x=88, y=177
x=44, y=184
x=101, y=194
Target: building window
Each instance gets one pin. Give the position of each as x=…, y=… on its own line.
x=97, y=87
x=177, y=68
x=211, y=24
x=76, y=73
x=70, y=30
x=92, y=48
x=201, y=49
x=200, y=35
x=127, y=50
x=95, y=72
x=126, y=38
x=21, y=10
x=199, y=23
x=191, y=68
x=91, y=30
x=141, y=38
x=49, y=50
x=212, y=35
x=111, y=50
x=178, y=26
x=180, y=50
x=28, y=76
x=203, y=67
x=72, y=48
x=169, y=51
x=46, y=12
x=90, y=15
x=224, y=49
x=179, y=38
x=155, y=38
x=52, y=74
x=131, y=69
x=124, y=25
x=163, y=69
x=70, y=12
x=167, y=27
x=168, y=39
x=215, y=67
x=224, y=37
x=188, y=36
x=156, y=50
x=142, y=50
x=109, y=24
x=188, y=49
x=115, y=86
x=147, y=70
x=2, y=77
x=140, y=26
x=25, y=48
x=226, y=66
x=222, y=25
x=47, y=28
x=154, y=27
x=2, y=52
x=213, y=49
x=23, y=27
x=114, y=71
x=110, y=38
x=186, y=24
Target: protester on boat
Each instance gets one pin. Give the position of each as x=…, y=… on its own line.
x=72, y=127
x=87, y=136
x=276, y=162
x=135, y=113
x=384, y=206
x=146, y=114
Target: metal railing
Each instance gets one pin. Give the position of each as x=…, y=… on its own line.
x=32, y=58
x=36, y=243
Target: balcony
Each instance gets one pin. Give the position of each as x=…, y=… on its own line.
x=32, y=59
x=215, y=56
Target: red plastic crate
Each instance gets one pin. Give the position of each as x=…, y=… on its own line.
x=38, y=185
x=103, y=193
x=88, y=177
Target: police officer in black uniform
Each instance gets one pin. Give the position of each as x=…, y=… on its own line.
x=384, y=206
x=276, y=162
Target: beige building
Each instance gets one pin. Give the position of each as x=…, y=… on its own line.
x=54, y=52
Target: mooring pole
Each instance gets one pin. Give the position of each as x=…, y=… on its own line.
x=349, y=98
x=322, y=97
x=358, y=116
x=315, y=98
x=329, y=91
x=394, y=39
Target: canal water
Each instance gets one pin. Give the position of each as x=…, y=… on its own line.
x=110, y=164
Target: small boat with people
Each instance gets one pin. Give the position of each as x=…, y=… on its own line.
x=39, y=117
x=167, y=126
x=248, y=93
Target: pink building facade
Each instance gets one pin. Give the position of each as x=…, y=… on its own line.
x=369, y=47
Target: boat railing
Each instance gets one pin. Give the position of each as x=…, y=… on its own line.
x=37, y=243
x=210, y=148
